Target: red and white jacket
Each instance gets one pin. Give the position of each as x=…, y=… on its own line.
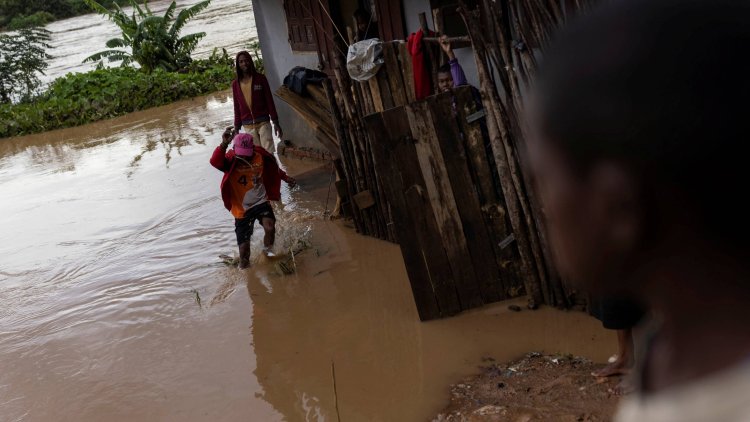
x=272, y=175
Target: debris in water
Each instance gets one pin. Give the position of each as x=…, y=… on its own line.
x=231, y=261
x=288, y=265
x=197, y=297
x=514, y=308
x=284, y=268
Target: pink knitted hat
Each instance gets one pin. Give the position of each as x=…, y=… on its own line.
x=243, y=144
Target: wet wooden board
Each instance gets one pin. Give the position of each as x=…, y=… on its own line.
x=384, y=87
x=411, y=232
x=465, y=193
x=395, y=77
x=444, y=205
x=377, y=101
x=407, y=72
x=492, y=204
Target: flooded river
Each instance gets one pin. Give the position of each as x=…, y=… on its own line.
x=227, y=23
x=116, y=307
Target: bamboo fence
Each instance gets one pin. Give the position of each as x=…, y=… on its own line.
x=508, y=37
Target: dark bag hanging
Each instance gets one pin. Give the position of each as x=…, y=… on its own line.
x=299, y=77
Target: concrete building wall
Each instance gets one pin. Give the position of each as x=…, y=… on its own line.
x=279, y=59
x=465, y=56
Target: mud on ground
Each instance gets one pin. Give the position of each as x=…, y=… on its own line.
x=535, y=388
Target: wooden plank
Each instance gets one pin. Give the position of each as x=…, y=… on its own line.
x=465, y=193
x=444, y=206
x=364, y=97
x=412, y=213
x=346, y=150
x=377, y=101
x=481, y=163
x=385, y=89
x=395, y=77
x=404, y=59
x=316, y=117
x=318, y=94
x=411, y=250
x=376, y=188
x=390, y=19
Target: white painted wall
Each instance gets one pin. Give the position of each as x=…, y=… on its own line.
x=279, y=59
x=465, y=56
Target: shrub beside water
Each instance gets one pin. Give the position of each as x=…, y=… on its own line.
x=80, y=98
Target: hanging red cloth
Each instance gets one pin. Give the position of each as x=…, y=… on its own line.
x=422, y=77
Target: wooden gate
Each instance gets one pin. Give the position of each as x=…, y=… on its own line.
x=446, y=203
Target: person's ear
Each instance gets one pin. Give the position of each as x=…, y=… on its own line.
x=615, y=193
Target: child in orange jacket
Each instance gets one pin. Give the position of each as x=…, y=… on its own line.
x=251, y=179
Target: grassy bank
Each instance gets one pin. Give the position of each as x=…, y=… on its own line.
x=82, y=98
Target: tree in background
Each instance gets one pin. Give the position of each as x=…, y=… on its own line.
x=22, y=57
x=154, y=41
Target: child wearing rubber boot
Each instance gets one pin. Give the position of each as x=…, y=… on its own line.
x=251, y=179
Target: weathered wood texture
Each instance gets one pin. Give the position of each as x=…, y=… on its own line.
x=441, y=214
x=508, y=37
x=391, y=87
x=315, y=110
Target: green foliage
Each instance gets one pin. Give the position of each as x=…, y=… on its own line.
x=154, y=41
x=104, y=93
x=257, y=57
x=22, y=11
x=22, y=56
x=37, y=19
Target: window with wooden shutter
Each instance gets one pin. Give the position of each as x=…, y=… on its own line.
x=300, y=25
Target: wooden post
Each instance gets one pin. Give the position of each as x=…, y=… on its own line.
x=533, y=279
x=407, y=71
x=440, y=194
x=346, y=152
x=430, y=274
x=432, y=51
x=473, y=229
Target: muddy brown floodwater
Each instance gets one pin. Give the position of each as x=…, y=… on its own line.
x=111, y=233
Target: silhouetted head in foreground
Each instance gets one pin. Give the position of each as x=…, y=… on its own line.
x=641, y=119
x=640, y=114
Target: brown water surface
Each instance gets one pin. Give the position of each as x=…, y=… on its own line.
x=111, y=231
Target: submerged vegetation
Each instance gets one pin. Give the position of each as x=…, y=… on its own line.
x=156, y=68
x=81, y=98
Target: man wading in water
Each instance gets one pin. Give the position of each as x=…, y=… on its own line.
x=254, y=109
x=251, y=179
